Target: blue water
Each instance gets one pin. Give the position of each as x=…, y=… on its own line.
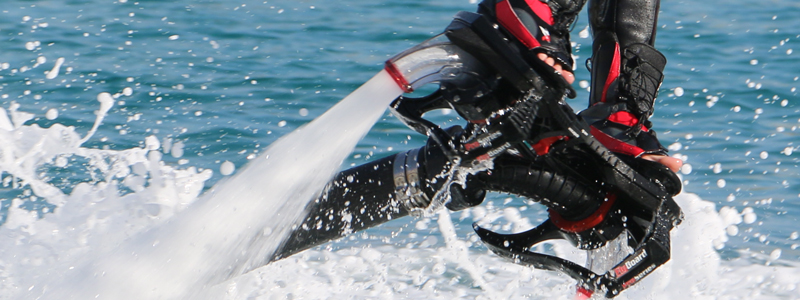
x=227, y=79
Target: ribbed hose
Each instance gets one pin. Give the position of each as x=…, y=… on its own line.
x=569, y=198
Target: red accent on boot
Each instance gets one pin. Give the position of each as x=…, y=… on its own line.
x=583, y=294
x=587, y=223
x=624, y=118
x=616, y=145
x=613, y=73
x=542, y=147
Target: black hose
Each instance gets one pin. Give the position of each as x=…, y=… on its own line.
x=356, y=199
x=569, y=198
x=364, y=197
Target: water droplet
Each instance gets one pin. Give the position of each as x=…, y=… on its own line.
x=51, y=114
x=584, y=33
x=775, y=254
x=686, y=169
x=749, y=217
x=732, y=230
x=177, y=149
x=227, y=168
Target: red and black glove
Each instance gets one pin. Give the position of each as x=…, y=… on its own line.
x=539, y=26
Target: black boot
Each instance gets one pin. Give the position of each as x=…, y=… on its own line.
x=627, y=72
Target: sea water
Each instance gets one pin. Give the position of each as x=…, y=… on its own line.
x=201, y=89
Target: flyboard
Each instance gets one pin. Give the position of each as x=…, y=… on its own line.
x=515, y=107
x=516, y=112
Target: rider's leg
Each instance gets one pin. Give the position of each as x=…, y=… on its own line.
x=626, y=75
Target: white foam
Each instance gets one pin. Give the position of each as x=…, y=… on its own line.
x=94, y=215
x=106, y=102
x=5, y=122
x=694, y=272
x=222, y=235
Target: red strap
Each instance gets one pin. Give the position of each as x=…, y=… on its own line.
x=587, y=223
x=616, y=145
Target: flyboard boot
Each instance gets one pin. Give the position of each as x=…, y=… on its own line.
x=638, y=193
x=626, y=75
x=521, y=137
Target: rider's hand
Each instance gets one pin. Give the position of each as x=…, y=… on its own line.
x=672, y=163
x=567, y=73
